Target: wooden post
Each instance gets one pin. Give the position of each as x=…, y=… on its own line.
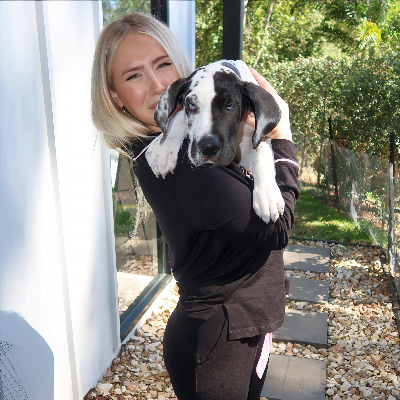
x=333, y=162
x=391, y=237
x=321, y=142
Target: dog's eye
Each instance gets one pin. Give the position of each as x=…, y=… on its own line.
x=229, y=106
x=191, y=106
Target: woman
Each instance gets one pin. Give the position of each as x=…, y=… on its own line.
x=227, y=262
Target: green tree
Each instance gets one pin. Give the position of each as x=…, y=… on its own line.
x=390, y=27
x=305, y=84
x=274, y=31
x=366, y=101
x=282, y=30
x=107, y=10
x=123, y=7
x=353, y=24
x=209, y=29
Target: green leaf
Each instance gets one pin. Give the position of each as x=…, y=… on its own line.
x=122, y=218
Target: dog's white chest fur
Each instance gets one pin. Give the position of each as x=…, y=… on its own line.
x=162, y=153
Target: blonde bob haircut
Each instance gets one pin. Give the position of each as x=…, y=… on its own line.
x=114, y=124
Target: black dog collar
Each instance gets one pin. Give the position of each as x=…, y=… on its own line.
x=232, y=67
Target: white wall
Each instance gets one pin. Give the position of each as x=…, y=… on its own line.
x=182, y=23
x=58, y=297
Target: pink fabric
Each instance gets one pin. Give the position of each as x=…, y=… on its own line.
x=262, y=362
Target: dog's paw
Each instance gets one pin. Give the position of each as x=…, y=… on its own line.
x=279, y=201
x=268, y=202
x=162, y=157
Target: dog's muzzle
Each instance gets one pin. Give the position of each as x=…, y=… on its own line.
x=209, y=146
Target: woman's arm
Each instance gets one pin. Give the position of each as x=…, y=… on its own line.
x=215, y=200
x=218, y=199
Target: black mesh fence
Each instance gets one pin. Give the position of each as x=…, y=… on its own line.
x=356, y=184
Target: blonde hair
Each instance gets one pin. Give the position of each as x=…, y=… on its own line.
x=115, y=125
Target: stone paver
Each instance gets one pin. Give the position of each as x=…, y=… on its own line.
x=310, y=290
x=294, y=378
x=304, y=327
x=304, y=258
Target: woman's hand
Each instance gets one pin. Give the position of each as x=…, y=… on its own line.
x=282, y=130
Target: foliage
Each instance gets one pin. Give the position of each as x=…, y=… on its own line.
x=353, y=24
x=123, y=217
x=365, y=101
x=287, y=33
x=123, y=7
x=305, y=84
x=362, y=94
x=123, y=224
x=315, y=220
x=208, y=31
x=334, y=58
x=107, y=10
x=390, y=28
x=119, y=8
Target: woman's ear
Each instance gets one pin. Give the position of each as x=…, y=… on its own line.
x=116, y=99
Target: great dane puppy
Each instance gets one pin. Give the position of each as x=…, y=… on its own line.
x=213, y=101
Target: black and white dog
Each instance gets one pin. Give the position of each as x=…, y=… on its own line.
x=214, y=100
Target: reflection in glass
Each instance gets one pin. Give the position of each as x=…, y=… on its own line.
x=114, y=9
x=136, y=235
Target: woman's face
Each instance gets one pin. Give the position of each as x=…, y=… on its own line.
x=141, y=71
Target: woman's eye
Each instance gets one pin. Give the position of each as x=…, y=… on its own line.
x=132, y=77
x=164, y=65
x=191, y=106
x=229, y=106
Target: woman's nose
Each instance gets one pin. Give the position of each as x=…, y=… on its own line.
x=156, y=86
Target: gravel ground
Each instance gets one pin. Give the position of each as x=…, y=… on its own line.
x=139, y=372
x=362, y=360
x=128, y=261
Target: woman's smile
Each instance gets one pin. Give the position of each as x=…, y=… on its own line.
x=153, y=106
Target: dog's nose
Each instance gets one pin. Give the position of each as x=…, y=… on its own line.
x=209, y=146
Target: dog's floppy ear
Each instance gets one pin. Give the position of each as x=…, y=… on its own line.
x=265, y=109
x=172, y=96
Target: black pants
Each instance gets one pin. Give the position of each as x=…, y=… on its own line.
x=204, y=365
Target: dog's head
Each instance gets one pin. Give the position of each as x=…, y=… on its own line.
x=214, y=100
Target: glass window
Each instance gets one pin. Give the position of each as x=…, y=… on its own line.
x=138, y=241
x=141, y=251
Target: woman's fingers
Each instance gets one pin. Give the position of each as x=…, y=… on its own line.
x=250, y=119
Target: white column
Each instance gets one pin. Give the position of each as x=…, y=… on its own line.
x=182, y=15
x=59, y=323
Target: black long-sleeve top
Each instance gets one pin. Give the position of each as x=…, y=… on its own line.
x=220, y=251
